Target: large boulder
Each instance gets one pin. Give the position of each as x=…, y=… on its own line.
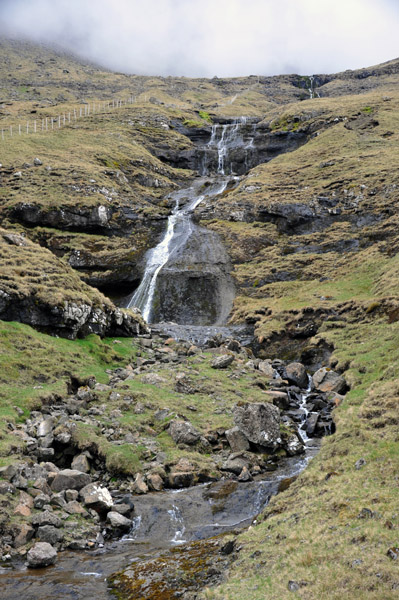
x=118, y=522
x=70, y=479
x=222, y=362
x=183, y=432
x=41, y=554
x=296, y=374
x=259, y=422
x=326, y=380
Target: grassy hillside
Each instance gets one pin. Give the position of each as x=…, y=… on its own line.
x=314, y=238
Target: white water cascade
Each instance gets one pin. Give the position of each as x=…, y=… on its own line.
x=180, y=226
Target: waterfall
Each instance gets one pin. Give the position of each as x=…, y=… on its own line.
x=224, y=138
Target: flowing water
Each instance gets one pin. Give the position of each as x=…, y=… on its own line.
x=180, y=228
x=163, y=520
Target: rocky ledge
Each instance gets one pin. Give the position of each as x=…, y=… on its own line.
x=41, y=290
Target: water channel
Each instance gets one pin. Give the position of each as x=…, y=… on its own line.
x=166, y=519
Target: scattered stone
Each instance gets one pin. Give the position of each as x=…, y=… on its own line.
x=222, y=362
x=279, y=399
x=326, y=380
x=360, y=463
x=70, y=479
x=23, y=533
x=74, y=508
x=81, y=463
x=139, y=486
x=49, y=534
x=37, y=162
x=245, y=475
x=118, y=521
x=96, y=497
x=7, y=488
x=8, y=472
x=155, y=482
x=235, y=464
x=183, y=432
x=393, y=553
x=45, y=427
x=296, y=374
x=237, y=440
x=41, y=555
x=46, y=518
x=265, y=367
x=153, y=379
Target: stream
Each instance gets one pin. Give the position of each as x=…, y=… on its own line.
x=187, y=292
x=163, y=520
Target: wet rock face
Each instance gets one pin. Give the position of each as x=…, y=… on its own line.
x=195, y=287
x=253, y=143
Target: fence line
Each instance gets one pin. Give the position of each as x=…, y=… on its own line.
x=73, y=115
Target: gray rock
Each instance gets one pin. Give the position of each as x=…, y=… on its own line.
x=8, y=472
x=41, y=500
x=74, y=508
x=71, y=495
x=96, y=497
x=222, y=362
x=293, y=445
x=325, y=380
x=49, y=534
x=45, y=427
x=183, y=432
x=70, y=479
x=81, y=463
x=139, y=486
x=266, y=368
x=237, y=440
x=260, y=423
x=41, y=555
x=360, y=463
x=46, y=518
x=22, y=534
x=37, y=162
x=296, y=374
x=118, y=521
x=235, y=464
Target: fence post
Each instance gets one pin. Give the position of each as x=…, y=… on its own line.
x=52, y=122
x=59, y=121
x=27, y=127
x=46, y=124
x=64, y=118
x=74, y=114
x=11, y=130
x=19, y=129
x=42, y=124
x=2, y=134
x=34, y=127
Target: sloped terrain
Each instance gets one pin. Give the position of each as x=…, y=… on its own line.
x=312, y=232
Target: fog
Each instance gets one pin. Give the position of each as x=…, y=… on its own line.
x=212, y=37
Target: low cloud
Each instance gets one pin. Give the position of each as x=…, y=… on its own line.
x=212, y=37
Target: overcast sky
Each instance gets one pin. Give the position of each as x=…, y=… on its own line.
x=213, y=37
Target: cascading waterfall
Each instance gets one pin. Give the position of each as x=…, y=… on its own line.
x=179, y=228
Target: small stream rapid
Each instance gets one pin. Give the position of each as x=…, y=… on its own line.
x=163, y=520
